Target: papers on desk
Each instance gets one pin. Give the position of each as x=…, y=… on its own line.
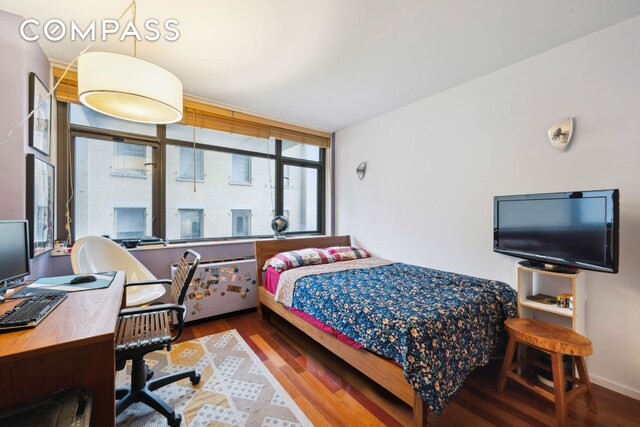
x=61, y=283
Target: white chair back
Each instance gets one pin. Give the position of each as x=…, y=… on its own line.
x=94, y=254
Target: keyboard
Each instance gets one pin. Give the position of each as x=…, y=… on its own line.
x=28, y=291
x=31, y=311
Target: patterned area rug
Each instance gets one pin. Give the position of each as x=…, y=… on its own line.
x=236, y=389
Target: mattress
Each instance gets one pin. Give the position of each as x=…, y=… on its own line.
x=437, y=325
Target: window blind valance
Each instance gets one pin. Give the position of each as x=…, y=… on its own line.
x=207, y=116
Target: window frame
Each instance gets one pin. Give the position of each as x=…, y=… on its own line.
x=67, y=132
x=288, y=161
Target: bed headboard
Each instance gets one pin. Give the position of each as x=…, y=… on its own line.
x=265, y=249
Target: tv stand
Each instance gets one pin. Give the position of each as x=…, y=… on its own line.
x=543, y=266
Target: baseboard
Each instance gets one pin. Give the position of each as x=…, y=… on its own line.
x=627, y=391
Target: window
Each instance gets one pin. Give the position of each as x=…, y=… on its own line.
x=86, y=117
x=191, y=223
x=131, y=180
x=285, y=176
x=186, y=164
x=129, y=159
x=98, y=189
x=301, y=198
x=240, y=169
x=300, y=151
x=241, y=222
x=130, y=223
x=217, y=197
x=216, y=138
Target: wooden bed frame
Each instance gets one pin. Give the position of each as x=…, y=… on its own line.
x=381, y=370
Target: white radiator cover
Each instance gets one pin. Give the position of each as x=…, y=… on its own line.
x=220, y=287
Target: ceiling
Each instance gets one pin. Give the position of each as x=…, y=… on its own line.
x=330, y=64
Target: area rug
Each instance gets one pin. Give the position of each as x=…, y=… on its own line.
x=236, y=389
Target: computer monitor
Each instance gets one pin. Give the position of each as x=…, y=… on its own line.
x=14, y=251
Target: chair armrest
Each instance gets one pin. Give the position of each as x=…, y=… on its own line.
x=148, y=282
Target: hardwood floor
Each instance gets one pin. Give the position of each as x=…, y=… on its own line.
x=331, y=393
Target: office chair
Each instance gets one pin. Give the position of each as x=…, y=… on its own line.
x=95, y=254
x=142, y=330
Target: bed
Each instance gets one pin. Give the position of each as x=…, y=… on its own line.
x=399, y=376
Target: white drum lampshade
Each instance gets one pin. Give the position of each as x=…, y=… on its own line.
x=129, y=88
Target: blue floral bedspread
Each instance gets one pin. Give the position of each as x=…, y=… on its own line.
x=439, y=326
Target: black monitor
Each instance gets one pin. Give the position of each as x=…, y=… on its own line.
x=14, y=250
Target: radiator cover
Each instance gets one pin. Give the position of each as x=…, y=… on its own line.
x=221, y=286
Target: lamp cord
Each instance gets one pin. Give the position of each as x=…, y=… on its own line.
x=135, y=39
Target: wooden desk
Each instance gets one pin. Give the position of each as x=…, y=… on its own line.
x=72, y=347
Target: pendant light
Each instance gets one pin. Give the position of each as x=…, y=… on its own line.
x=129, y=88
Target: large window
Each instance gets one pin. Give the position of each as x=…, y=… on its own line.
x=217, y=196
x=130, y=180
x=109, y=196
x=301, y=198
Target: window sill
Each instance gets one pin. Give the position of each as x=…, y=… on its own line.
x=214, y=243
x=246, y=184
x=182, y=179
x=129, y=175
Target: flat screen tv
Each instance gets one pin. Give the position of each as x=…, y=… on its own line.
x=576, y=229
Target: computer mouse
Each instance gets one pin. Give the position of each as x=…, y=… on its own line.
x=82, y=279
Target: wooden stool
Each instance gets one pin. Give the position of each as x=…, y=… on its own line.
x=555, y=341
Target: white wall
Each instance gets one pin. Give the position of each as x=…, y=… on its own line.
x=434, y=166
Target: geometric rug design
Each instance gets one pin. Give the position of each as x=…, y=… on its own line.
x=236, y=389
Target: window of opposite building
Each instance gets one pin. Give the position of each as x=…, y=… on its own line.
x=129, y=159
x=240, y=169
x=187, y=158
x=130, y=223
x=241, y=222
x=191, y=223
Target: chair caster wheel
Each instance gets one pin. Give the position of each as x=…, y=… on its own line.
x=176, y=421
x=195, y=379
x=149, y=374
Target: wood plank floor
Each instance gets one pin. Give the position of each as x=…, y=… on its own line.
x=331, y=393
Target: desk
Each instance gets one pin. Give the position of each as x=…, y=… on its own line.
x=72, y=347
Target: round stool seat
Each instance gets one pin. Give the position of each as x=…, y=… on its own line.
x=549, y=337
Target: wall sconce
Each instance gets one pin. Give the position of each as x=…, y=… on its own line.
x=560, y=134
x=361, y=169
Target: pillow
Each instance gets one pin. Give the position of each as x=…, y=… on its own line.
x=299, y=258
x=347, y=253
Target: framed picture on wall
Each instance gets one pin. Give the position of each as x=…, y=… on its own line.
x=40, y=208
x=40, y=121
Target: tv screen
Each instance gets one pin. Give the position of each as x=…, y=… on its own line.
x=576, y=229
x=14, y=250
